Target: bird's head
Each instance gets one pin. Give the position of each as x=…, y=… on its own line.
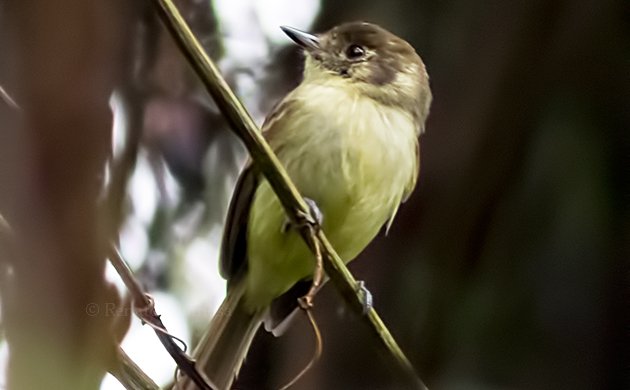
x=369, y=59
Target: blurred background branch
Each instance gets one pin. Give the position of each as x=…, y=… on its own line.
x=61, y=146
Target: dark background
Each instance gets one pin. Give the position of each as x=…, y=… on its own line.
x=507, y=268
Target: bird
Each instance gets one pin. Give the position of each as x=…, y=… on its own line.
x=348, y=137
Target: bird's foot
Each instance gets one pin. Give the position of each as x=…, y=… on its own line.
x=365, y=296
x=314, y=218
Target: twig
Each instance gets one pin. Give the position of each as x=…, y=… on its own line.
x=316, y=355
x=306, y=302
x=130, y=375
x=266, y=161
x=145, y=309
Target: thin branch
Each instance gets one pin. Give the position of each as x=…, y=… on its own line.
x=306, y=302
x=266, y=161
x=316, y=355
x=130, y=375
x=145, y=309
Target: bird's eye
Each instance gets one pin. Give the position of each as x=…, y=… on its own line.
x=355, y=52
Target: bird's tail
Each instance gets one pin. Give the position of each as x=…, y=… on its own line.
x=223, y=348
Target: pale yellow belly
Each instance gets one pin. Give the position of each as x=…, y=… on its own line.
x=356, y=171
x=355, y=200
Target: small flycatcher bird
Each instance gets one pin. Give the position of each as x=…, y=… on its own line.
x=348, y=138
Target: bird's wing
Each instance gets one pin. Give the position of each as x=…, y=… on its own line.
x=233, y=257
x=234, y=246
x=234, y=243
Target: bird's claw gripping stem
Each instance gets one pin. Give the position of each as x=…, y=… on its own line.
x=313, y=218
x=365, y=295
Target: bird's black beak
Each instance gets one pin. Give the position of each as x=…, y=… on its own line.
x=306, y=40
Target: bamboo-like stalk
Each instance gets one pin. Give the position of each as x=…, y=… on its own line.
x=130, y=375
x=266, y=161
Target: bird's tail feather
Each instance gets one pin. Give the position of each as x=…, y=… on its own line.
x=222, y=350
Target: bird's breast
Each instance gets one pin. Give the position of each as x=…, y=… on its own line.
x=356, y=156
x=351, y=156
